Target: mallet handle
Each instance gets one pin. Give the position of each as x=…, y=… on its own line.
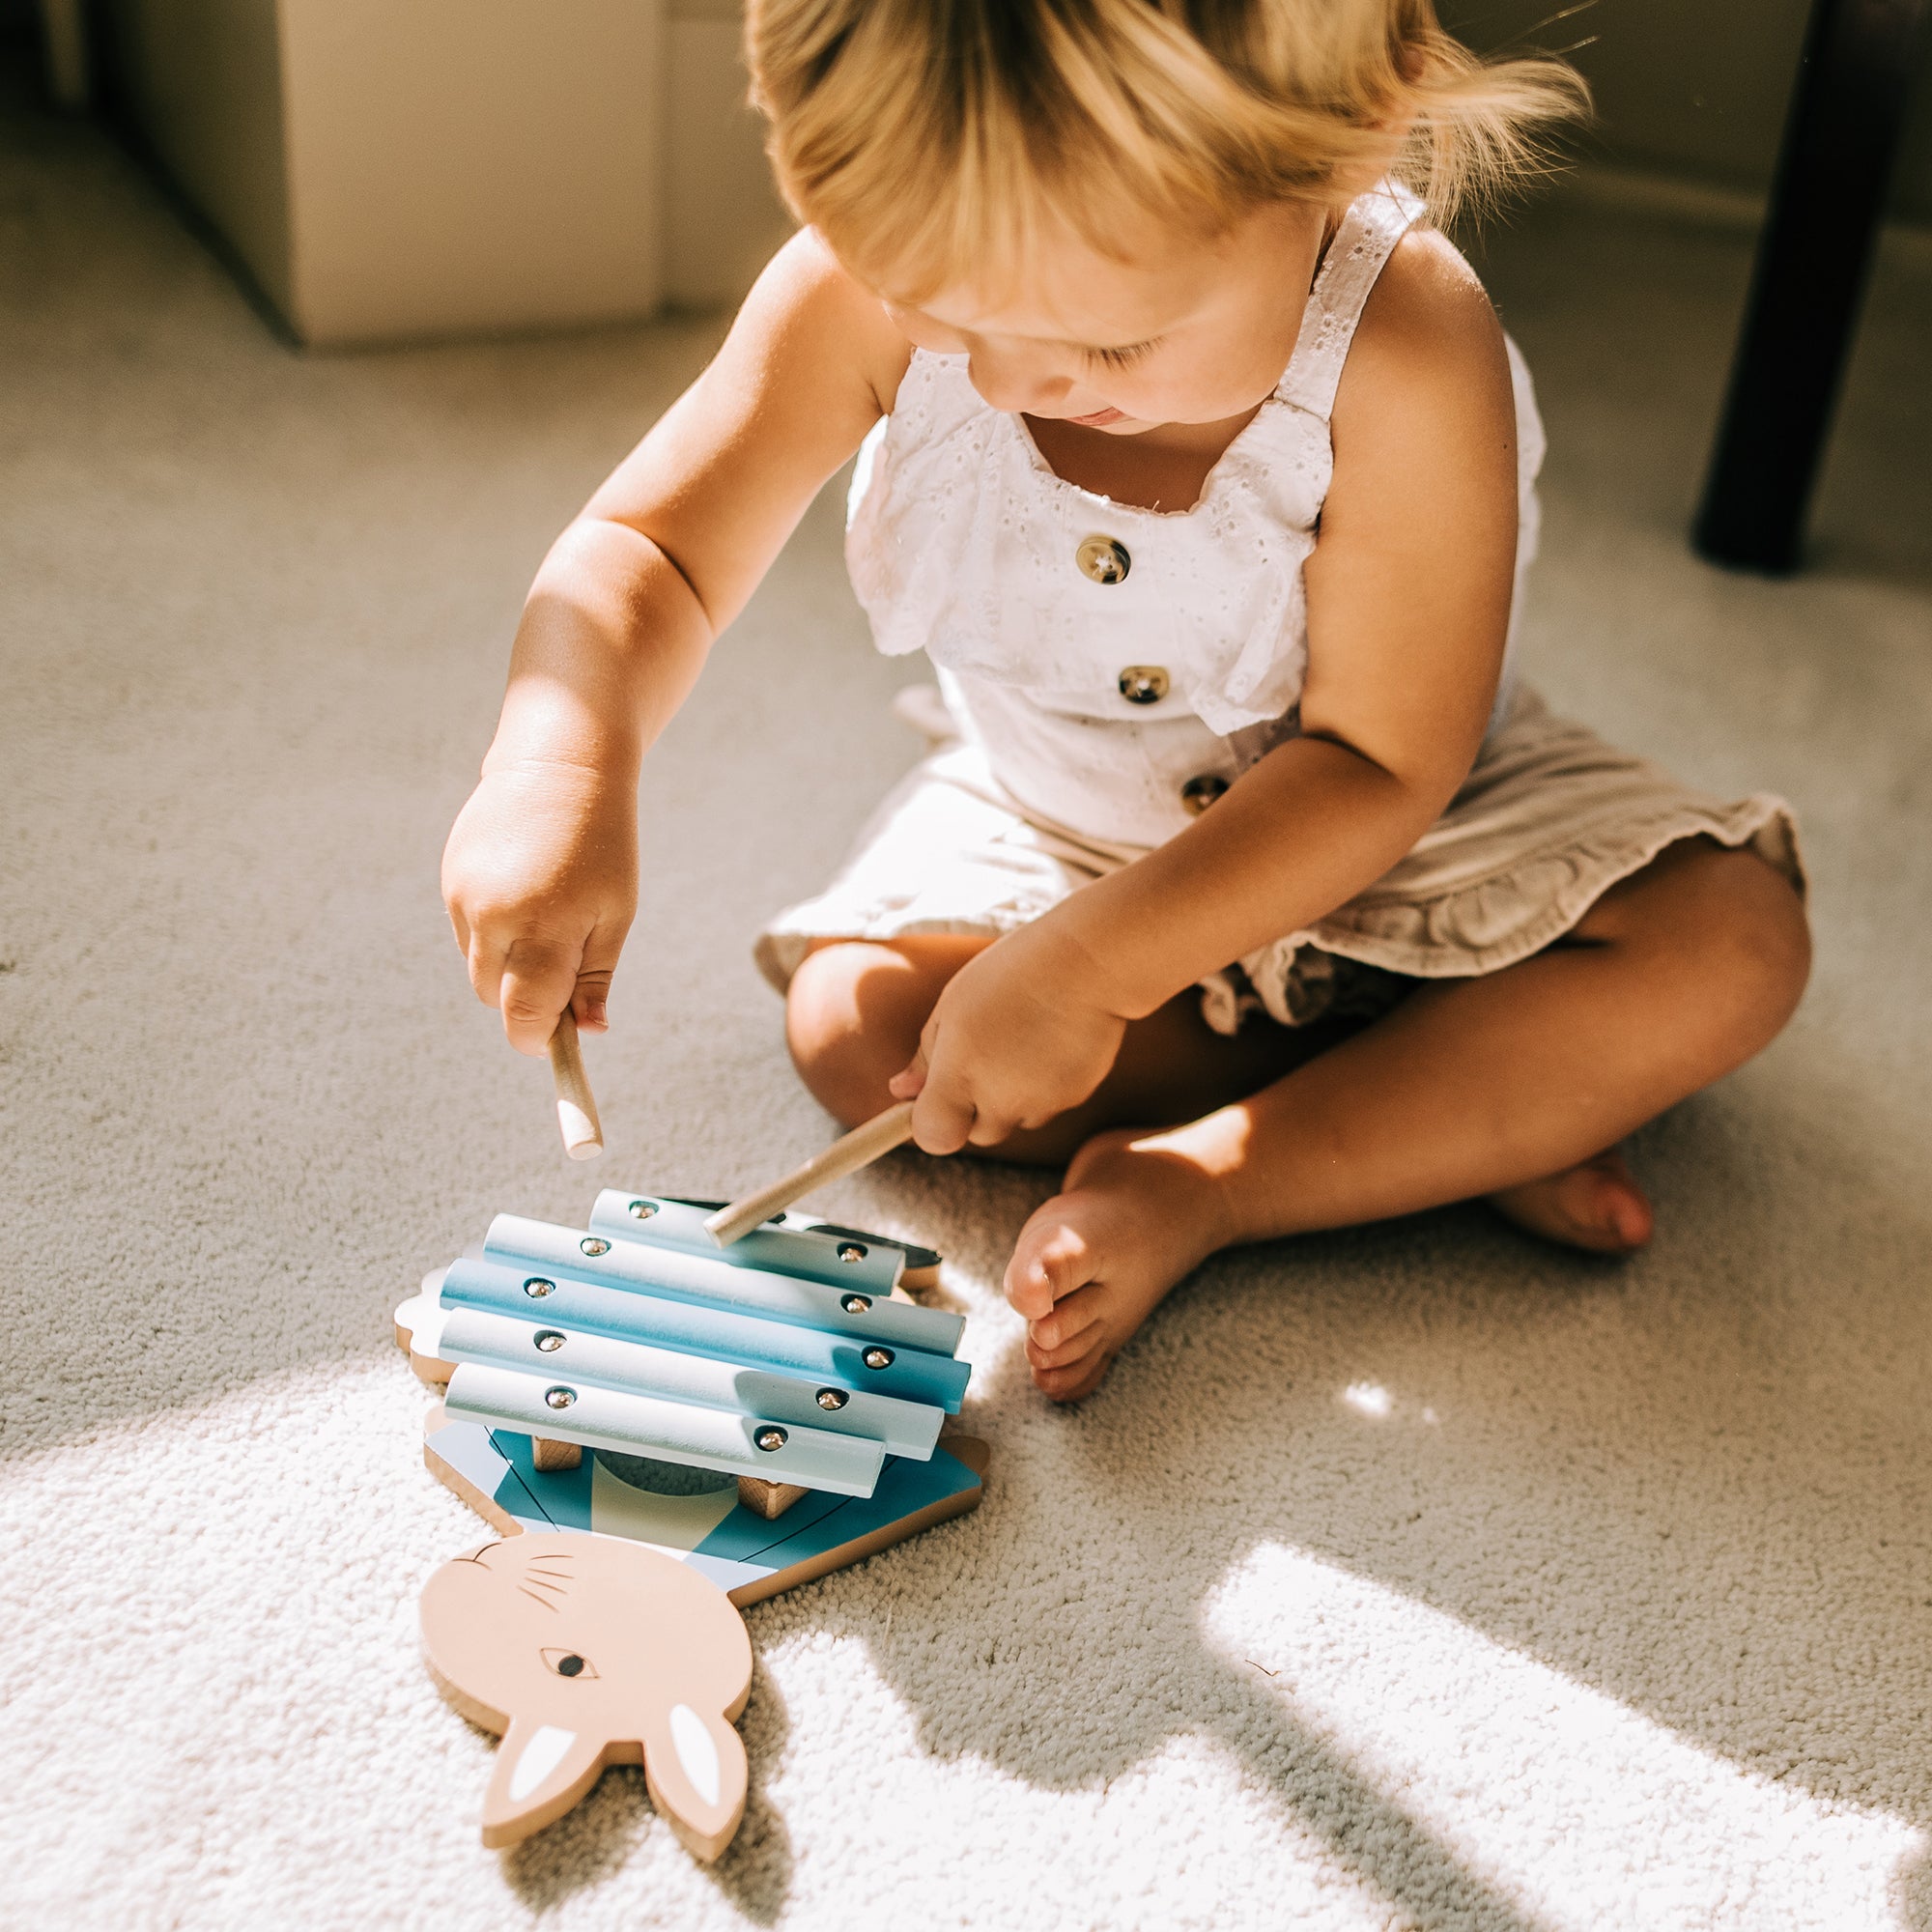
x=576, y=1107
x=863, y=1146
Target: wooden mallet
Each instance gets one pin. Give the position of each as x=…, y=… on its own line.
x=863, y=1146
x=576, y=1107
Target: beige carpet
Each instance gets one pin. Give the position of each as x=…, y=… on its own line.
x=1415, y=1576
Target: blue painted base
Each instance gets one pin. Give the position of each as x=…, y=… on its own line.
x=748, y=1556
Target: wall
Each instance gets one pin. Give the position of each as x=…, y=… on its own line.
x=723, y=218
x=1698, y=88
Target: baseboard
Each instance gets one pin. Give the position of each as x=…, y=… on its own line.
x=1905, y=244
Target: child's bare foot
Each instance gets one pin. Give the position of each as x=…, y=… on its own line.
x=1133, y=1216
x=1595, y=1205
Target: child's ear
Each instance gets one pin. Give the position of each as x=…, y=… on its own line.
x=542, y=1771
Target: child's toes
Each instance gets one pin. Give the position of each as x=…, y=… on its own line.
x=1595, y=1205
x=1072, y=1316
x=1050, y=1260
x=1078, y=1350
x=1076, y=1378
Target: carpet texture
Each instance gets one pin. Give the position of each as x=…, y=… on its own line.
x=1416, y=1576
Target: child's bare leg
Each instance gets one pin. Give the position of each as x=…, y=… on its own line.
x=855, y=1009
x=1508, y=1085
x=1515, y=1087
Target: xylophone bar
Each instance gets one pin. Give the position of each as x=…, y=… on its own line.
x=674, y=1431
x=473, y=1335
x=716, y=1283
x=873, y=1266
x=564, y=1302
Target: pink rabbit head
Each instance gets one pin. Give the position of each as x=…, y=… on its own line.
x=583, y=1651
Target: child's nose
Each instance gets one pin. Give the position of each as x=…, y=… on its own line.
x=1016, y=385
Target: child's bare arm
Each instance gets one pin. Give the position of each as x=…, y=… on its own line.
x=540, y=872
x=1409, y=596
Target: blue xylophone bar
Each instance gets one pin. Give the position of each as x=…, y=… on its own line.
x=873, y=1267
x=499, y=1341
x=561, y=1299
x=674, y=1274
x=674, y=1431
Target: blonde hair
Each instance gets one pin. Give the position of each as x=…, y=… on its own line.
x=931, y=141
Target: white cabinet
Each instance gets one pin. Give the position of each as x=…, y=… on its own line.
x=390, y=172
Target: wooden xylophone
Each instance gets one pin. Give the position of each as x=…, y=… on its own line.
x=789, y=1375
x=792, y=1360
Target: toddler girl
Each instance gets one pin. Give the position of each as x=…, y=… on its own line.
x=1243, y=875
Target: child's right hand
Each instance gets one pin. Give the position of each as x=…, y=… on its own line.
x=540, y=876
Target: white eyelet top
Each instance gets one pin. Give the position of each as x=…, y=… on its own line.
x=962, y=542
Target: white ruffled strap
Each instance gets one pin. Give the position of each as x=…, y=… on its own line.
x=1373, y=224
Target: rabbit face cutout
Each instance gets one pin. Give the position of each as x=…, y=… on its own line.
x=584, y=1651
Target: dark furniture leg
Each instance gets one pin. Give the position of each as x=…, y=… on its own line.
x=1826, y=204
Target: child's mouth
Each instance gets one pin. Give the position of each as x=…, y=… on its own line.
x=1100, y=418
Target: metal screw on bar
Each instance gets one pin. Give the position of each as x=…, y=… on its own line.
x=594, y=1245
x=877, y=1358
x=831, y=1398
x=642, y=1211
x=559, y=1398
x=548, y=1341
x=536, y=1287
x=851, y=1251
x=855, y=1305
x=770, y=1439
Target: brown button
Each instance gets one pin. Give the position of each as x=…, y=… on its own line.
x=1103, y=559
x=1143, y=684
x=1198, y=794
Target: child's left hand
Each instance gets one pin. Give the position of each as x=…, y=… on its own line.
x=1021, y=1032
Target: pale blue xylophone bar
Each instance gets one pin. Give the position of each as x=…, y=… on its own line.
x=677, y=1275
x=499, y=1341
x=840, y=1262
x=671, y=1431
x=561, y=1299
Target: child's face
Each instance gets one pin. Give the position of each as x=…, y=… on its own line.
x=1185, y=332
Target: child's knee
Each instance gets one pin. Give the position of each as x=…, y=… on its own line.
x=1781, y=937
x=1754, y=943
x=853, y=1015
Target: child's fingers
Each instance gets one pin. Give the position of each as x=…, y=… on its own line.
x=942, y=1117
x=538, y=982
x=906, y=1084
x=589, y=997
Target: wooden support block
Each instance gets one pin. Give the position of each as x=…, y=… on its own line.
x=769, y=1500
x=551, y=1455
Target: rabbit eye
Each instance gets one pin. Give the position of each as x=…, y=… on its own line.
x=567, y=1663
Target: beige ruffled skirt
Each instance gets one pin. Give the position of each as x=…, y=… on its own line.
x=1547, y=821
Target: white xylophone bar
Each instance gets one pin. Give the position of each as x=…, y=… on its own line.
x=475, y=1335
x=515, y=1240
x=672, y=1432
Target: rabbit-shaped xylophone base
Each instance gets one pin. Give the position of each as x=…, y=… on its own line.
x=583, y=1651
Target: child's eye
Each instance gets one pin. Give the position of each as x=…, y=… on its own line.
x=1122, y=358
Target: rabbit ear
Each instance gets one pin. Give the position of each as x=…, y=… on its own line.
x=542, y=1771
x=694, y=1771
